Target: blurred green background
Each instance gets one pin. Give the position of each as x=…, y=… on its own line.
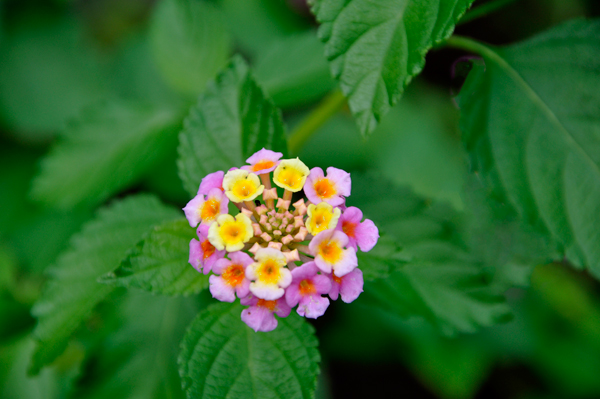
x=58, y=58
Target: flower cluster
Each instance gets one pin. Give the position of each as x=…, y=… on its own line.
x=269, y=256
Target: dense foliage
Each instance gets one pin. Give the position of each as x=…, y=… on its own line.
x=478, y=163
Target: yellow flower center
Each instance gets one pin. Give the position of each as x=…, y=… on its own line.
x=269, y=272
x=324, y=188
x=244, y=189
x=330, y=251
x=232, y=232
x=210, y=210
x=307, y=287
x=262, y=165
x=291, y=178
x=321, y=217
x=234, y=275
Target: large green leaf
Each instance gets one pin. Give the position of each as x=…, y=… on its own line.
x=232, y=120
x=531, y=125
x=159, y=263
x=445, y=286
x=190, y=42
x=47, y=74
x=107, y=148
x=376, y=48
x=139, y=359
x=73, y=291
x=435, y=275
x=293, y=70
x=221, y=357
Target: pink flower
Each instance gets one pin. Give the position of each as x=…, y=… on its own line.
x=206, y=210
x=210, y=181
x=306, y=289
x=330, y=252
x=263, y=161
x=203, y=254
x=232, y=277
x=259, y=316
x=349, y=286
x=331, y=189
x=364, y=234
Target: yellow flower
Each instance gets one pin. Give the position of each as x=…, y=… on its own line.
x=291, y=174
x=321, y=217
x=229, y=233
x=241, y=185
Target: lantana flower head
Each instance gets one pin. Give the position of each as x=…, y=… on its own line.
x=279, y=252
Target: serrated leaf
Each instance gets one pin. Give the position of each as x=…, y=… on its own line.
x=221, y=357
x=139, y=359
x=452, y=292
x=435, y=276
x=190, y=43
x=159, y=263
x=232, y=120
x=293, y=70
x=107, y=148
x=73, y=291
x=535, y=139
x=376, y=48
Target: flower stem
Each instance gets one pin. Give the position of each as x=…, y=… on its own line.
x=470, y=45
x=330, y=105
x=483, y=10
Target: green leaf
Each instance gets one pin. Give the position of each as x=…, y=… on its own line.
x=535, y=139
x=190, y=43
x=376, y=48
x=381, y=260
x=435, y=276
x=222, y=357
x=293, y=70
x=139, y=359
x=159, y=263
x=47, y=74
x=106, y=149
x=450, y=290
x=51, y=383
x=73, y=291
x=257, y=23
x=232, y=120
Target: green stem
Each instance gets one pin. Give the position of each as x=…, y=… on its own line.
x=472, y=46
x=483, y=10
x=330, y=105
